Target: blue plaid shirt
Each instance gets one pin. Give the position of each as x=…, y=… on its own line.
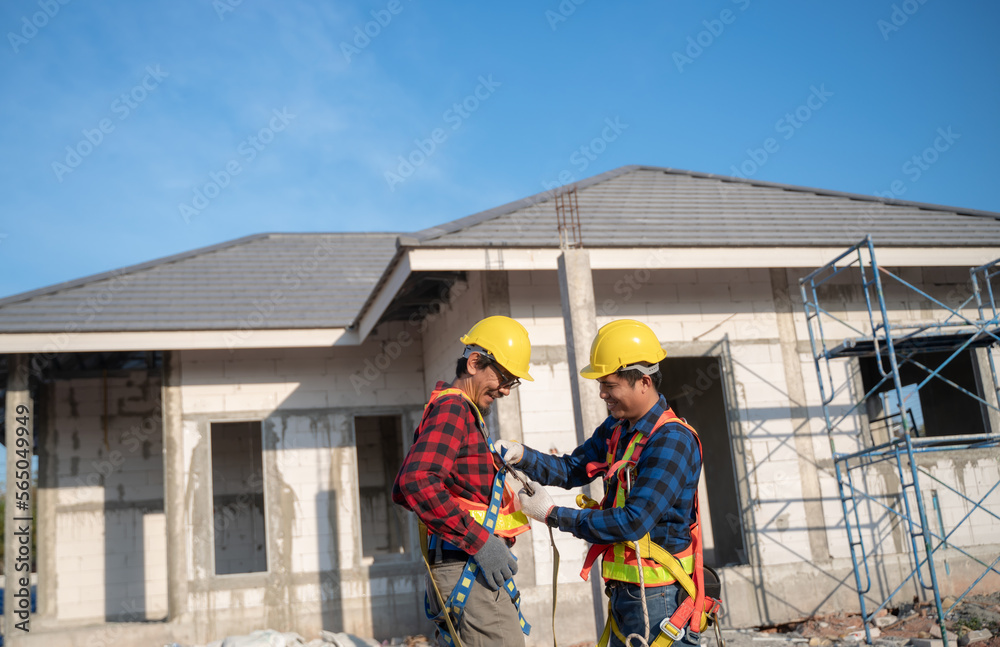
x=662, y=495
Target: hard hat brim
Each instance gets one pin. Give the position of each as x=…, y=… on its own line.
x=520, y=374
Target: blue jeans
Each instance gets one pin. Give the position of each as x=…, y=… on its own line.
x=626, y=608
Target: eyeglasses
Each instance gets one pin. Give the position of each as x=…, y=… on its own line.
x=506, y=381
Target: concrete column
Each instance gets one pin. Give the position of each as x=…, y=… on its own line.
x=173, y=488
x=507, y=416
x=576, y=287
x=496, y=301
x=799, y=414
x=20, y=416
x=984, y=376
x=46, y=497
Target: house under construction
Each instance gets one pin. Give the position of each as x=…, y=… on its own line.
x=218, y=431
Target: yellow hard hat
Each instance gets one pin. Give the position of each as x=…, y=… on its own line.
x=621, y=344
x=506, y=340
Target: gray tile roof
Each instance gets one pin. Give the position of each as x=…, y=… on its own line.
x=636, y=206
x=280, y=280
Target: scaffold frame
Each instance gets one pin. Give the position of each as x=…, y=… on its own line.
x=893, y=344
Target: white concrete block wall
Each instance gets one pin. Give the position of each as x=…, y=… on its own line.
x=323, y=481
x=304, y=399
x=534, y=296
x=548, y=425
x=844, y=298
x=442, y=331
x=386, y=370
x=110, y=551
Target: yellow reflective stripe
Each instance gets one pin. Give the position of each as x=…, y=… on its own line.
x=620, y=492
x=653, y=575
x=504, y=521
x=631, y=447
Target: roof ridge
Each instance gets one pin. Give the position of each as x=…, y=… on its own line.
x=128, y=269
x=483, y=216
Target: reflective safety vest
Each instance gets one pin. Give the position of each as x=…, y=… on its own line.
x=511, y=522
x=619, y=560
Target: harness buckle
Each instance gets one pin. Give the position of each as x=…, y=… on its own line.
x=673, y=631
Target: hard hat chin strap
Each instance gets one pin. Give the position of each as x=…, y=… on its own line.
x=642, y=368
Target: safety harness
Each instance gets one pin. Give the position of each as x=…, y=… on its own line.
x=622, y=560
x=499, y=517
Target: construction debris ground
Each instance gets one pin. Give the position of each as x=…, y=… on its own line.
x=976, y=622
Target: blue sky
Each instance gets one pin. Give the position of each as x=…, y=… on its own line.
x=286, y=119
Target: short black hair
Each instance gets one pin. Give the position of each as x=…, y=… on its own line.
x=633, y=375
x=462, y=366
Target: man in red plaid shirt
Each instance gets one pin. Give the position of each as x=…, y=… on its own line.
x=447, y=479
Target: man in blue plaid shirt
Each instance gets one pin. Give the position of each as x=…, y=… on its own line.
x=659, y=487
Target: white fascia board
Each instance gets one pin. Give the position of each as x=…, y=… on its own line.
x=487, y=258
x=386, y=293
x=482, y=258
x=71, y=342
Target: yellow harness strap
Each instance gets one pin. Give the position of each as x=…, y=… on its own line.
x=648, y=549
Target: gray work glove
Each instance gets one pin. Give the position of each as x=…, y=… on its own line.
x=496, y=562
x=537, y=505
x=510, y=450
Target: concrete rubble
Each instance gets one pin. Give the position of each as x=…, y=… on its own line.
x=975, y=622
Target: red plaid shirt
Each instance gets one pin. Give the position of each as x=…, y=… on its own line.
x=449, y=458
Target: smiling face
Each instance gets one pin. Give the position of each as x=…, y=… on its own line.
x=625, y=401
x=485, y=384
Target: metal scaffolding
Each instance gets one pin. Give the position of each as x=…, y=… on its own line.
x=892, y=338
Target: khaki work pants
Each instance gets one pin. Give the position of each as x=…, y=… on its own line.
x=490, y=618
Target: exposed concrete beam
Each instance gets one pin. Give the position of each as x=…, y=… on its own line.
x=46, y=497
x=496, y=301
x=173, y=488
x=576, y=287
x=19, y=439
x=988, y=389
x=62, y=342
